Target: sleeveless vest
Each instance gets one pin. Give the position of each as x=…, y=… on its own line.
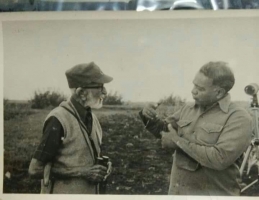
x=76, y=152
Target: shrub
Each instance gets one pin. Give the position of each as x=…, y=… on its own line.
x=113, y=99
x=16, y=109
x=172, y=100
x=169, y=105
x=46, y=99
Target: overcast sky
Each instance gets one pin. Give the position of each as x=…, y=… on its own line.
x=148, y=59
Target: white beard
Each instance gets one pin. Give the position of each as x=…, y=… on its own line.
x=95, y=103
x=94, y=100
x=98, y=104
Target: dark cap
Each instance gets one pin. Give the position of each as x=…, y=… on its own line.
x=86, y=74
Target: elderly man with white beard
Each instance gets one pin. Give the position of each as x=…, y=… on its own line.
x=72, y=135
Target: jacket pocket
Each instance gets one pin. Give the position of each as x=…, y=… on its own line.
x=209, y=133
x=212, y=128
x=183, y=123
x=183, y=127
x=184, y=161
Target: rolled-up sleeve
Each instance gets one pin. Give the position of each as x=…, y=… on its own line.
x=50, y=141
x=233, y=141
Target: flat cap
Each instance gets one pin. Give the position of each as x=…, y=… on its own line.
x=86, y=74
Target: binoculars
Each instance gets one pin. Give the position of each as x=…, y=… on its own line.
x=252, y=89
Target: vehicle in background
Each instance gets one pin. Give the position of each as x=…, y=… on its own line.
x=124, y=5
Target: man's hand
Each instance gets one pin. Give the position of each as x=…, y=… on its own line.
x=149, y=111
x=167, y=138
x=109, y=170
x=95, y=173
x=36, y=168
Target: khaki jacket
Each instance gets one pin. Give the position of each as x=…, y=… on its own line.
x=209, y=143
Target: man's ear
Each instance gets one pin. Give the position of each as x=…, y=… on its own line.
x=220, y=92
x=80, y=93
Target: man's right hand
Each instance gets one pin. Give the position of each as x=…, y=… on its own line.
x=149, y=111
x=167, y=141
x=95, y=173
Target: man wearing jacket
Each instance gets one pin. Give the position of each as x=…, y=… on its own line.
x=72, y=135
x=207, y=136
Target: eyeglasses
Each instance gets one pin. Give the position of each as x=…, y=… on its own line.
x=94, y=87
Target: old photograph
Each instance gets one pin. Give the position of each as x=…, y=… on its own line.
x=131, y=104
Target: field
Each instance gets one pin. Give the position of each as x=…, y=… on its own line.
x=140, y=165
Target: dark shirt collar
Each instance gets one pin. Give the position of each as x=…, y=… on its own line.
x=82, y=111
x=223, y=103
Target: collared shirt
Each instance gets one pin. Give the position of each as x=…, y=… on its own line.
x=84, y=113
x=223, y=126
x=212, y=139
x=53, y=133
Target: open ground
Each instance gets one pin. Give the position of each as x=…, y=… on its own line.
x=140, y=165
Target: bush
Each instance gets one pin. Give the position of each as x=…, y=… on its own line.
x=46, y=99
x=113, y=99
x=169, y=105
x=172, y=100
x=14, y=109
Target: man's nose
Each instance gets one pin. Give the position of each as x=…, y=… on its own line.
x=104, y=91
x=194, y=91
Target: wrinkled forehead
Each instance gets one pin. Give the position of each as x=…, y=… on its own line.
x=202, y=81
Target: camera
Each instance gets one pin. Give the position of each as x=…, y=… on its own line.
x=252, y=89
x=102, y=161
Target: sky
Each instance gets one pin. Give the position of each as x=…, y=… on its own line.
x=148, y=59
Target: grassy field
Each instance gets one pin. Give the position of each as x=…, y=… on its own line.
x=140, y=165
x=135, y=153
